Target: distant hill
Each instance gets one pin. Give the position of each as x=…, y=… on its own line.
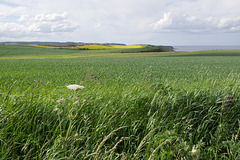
x=146, y=48
x=54, y=43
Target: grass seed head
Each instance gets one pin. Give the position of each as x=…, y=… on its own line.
x=228, y=100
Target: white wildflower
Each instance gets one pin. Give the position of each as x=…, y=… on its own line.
x=75, y=87
x=195, y=151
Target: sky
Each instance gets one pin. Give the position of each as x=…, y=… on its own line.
x=159, y=22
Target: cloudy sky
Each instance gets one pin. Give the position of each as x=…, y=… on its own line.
x=162, y=22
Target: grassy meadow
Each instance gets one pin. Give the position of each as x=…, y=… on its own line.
x=149, y=105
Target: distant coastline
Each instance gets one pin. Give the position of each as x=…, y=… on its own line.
x=204, y=48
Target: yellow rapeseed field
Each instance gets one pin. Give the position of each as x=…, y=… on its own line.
x=46, y=46
x=94, y=46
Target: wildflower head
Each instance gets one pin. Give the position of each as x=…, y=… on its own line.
x=75, y=87
x=76, y=98
x=76, y=103
x=85, y=101
x=55, y=109
x=60, y=100
x=76, y=134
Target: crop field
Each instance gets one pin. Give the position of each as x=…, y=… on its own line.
x=36, y=52
x=134, y=105
x=93, y=46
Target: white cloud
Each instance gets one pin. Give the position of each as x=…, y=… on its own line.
x=41, y=23
x=192, y=24
x=228, y=23
x=48, y=17
x=164, y=22
x=24, y=17
x=6, y=10
x=97, y=25
x=11, y=27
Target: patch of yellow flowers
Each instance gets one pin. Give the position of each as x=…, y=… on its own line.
x=93, y=46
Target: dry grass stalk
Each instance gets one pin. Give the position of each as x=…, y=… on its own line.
x=97, y=143
x=10, y=145
x=153, y=153
x=92, y=154
x=143, y=141
x=44, y=146
x=115, y=146
x=24, y=147
x=228, y=100
x=111, y=118
x=26, y=157
x=107, y=137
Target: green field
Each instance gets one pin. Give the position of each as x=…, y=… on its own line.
x=161, y=105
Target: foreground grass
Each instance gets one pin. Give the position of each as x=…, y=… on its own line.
x=132, y=107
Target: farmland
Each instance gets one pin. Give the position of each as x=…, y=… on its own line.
x=93, y=46
x=161, y=105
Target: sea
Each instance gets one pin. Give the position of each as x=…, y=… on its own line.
x=204, y=48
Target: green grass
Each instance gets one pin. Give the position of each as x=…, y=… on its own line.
x=14, y=50
x=133, y=107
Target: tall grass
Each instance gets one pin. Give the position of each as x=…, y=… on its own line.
x=131, y=108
